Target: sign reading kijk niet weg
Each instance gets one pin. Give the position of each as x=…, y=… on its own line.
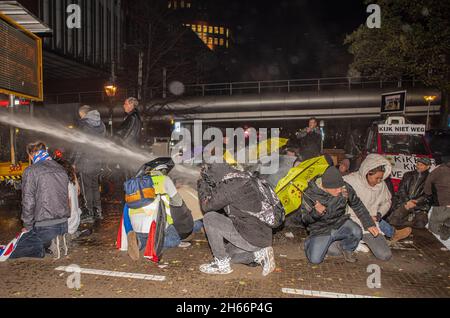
x=20, y=61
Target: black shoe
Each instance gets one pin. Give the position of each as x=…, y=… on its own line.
x=348, y=255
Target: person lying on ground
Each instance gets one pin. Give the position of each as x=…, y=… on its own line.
x=45, y=207
x=323, y=212
x=410, y=204
x=229, y=202
x=370, y=187
x=180, y=223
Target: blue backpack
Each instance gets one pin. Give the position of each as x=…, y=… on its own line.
x=139, y=192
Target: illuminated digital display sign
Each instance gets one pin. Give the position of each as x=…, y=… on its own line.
x=20, y=61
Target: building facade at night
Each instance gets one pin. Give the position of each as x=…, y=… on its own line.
x=209, y=26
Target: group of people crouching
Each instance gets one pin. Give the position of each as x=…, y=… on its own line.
x=342, y=214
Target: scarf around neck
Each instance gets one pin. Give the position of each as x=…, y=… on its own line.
x=42, y=155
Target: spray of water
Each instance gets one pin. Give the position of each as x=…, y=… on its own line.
x=105, y=149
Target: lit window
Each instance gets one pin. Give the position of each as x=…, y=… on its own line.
x=188, y=5
x=210, y=30
x=205, y=29
x=210, y=41
x=228, y=33
x=216, y=41
x=170, y=4
x=216, y=30
x=194, y=27
x=187, y=25
x=221, y=30
x=227, y=43
x=221, y=42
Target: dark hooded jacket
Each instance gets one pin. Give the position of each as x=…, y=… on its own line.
x=437, y=185
x=336, y=209
x=130, y=130
x=412, y=187
x=92, y=125
x=233, y=197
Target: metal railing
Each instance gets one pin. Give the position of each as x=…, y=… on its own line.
x=240, y=88
x=84, y=97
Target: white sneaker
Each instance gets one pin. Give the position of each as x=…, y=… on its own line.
x=184, y=244
x=362, y=247
x=266, y=259
x=218, y=266
x=65, y=243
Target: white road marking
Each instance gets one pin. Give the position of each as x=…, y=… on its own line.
x=317, y=293
x=112, y=273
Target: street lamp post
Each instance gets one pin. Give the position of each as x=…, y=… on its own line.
x=322, y=134
x=111, y=90
x=429, y=99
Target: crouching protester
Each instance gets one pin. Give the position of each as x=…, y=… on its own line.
x=233, y=204
x=410, y=205
x=45, y=207
x=323, y=212
x=163, y=222
x=73, y=222
x=370, y=187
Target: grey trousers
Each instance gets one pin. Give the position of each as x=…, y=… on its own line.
x=219, y=228
x=91, y=191
x=379, y=246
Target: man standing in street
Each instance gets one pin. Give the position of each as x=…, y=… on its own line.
x=88, y=164
x=130, y=130
x=310, y=140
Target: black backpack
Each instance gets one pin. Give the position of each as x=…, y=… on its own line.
x=272, y=211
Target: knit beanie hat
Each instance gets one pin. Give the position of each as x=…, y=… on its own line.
x=426, y=161
x=332, y=179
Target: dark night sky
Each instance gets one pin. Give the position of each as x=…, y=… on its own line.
x=282, y=39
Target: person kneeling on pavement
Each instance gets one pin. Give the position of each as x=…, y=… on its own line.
x=45, y=207
x=74, y=230
x=323, y=212
x=179, y=223
x=370, y=187
x=230, y=201
x=411, y=204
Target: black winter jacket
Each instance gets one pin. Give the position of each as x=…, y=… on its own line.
x=130, y=130
x=412, y=187
x=234, y=197
x=310, y=144
x=44, y=194
x=336, y=209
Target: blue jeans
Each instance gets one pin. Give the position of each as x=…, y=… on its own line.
x=349, y=235
x=33, y=243
x=171, y=237
x=387, y=229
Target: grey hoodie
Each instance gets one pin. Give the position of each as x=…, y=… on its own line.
x=92, y=125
